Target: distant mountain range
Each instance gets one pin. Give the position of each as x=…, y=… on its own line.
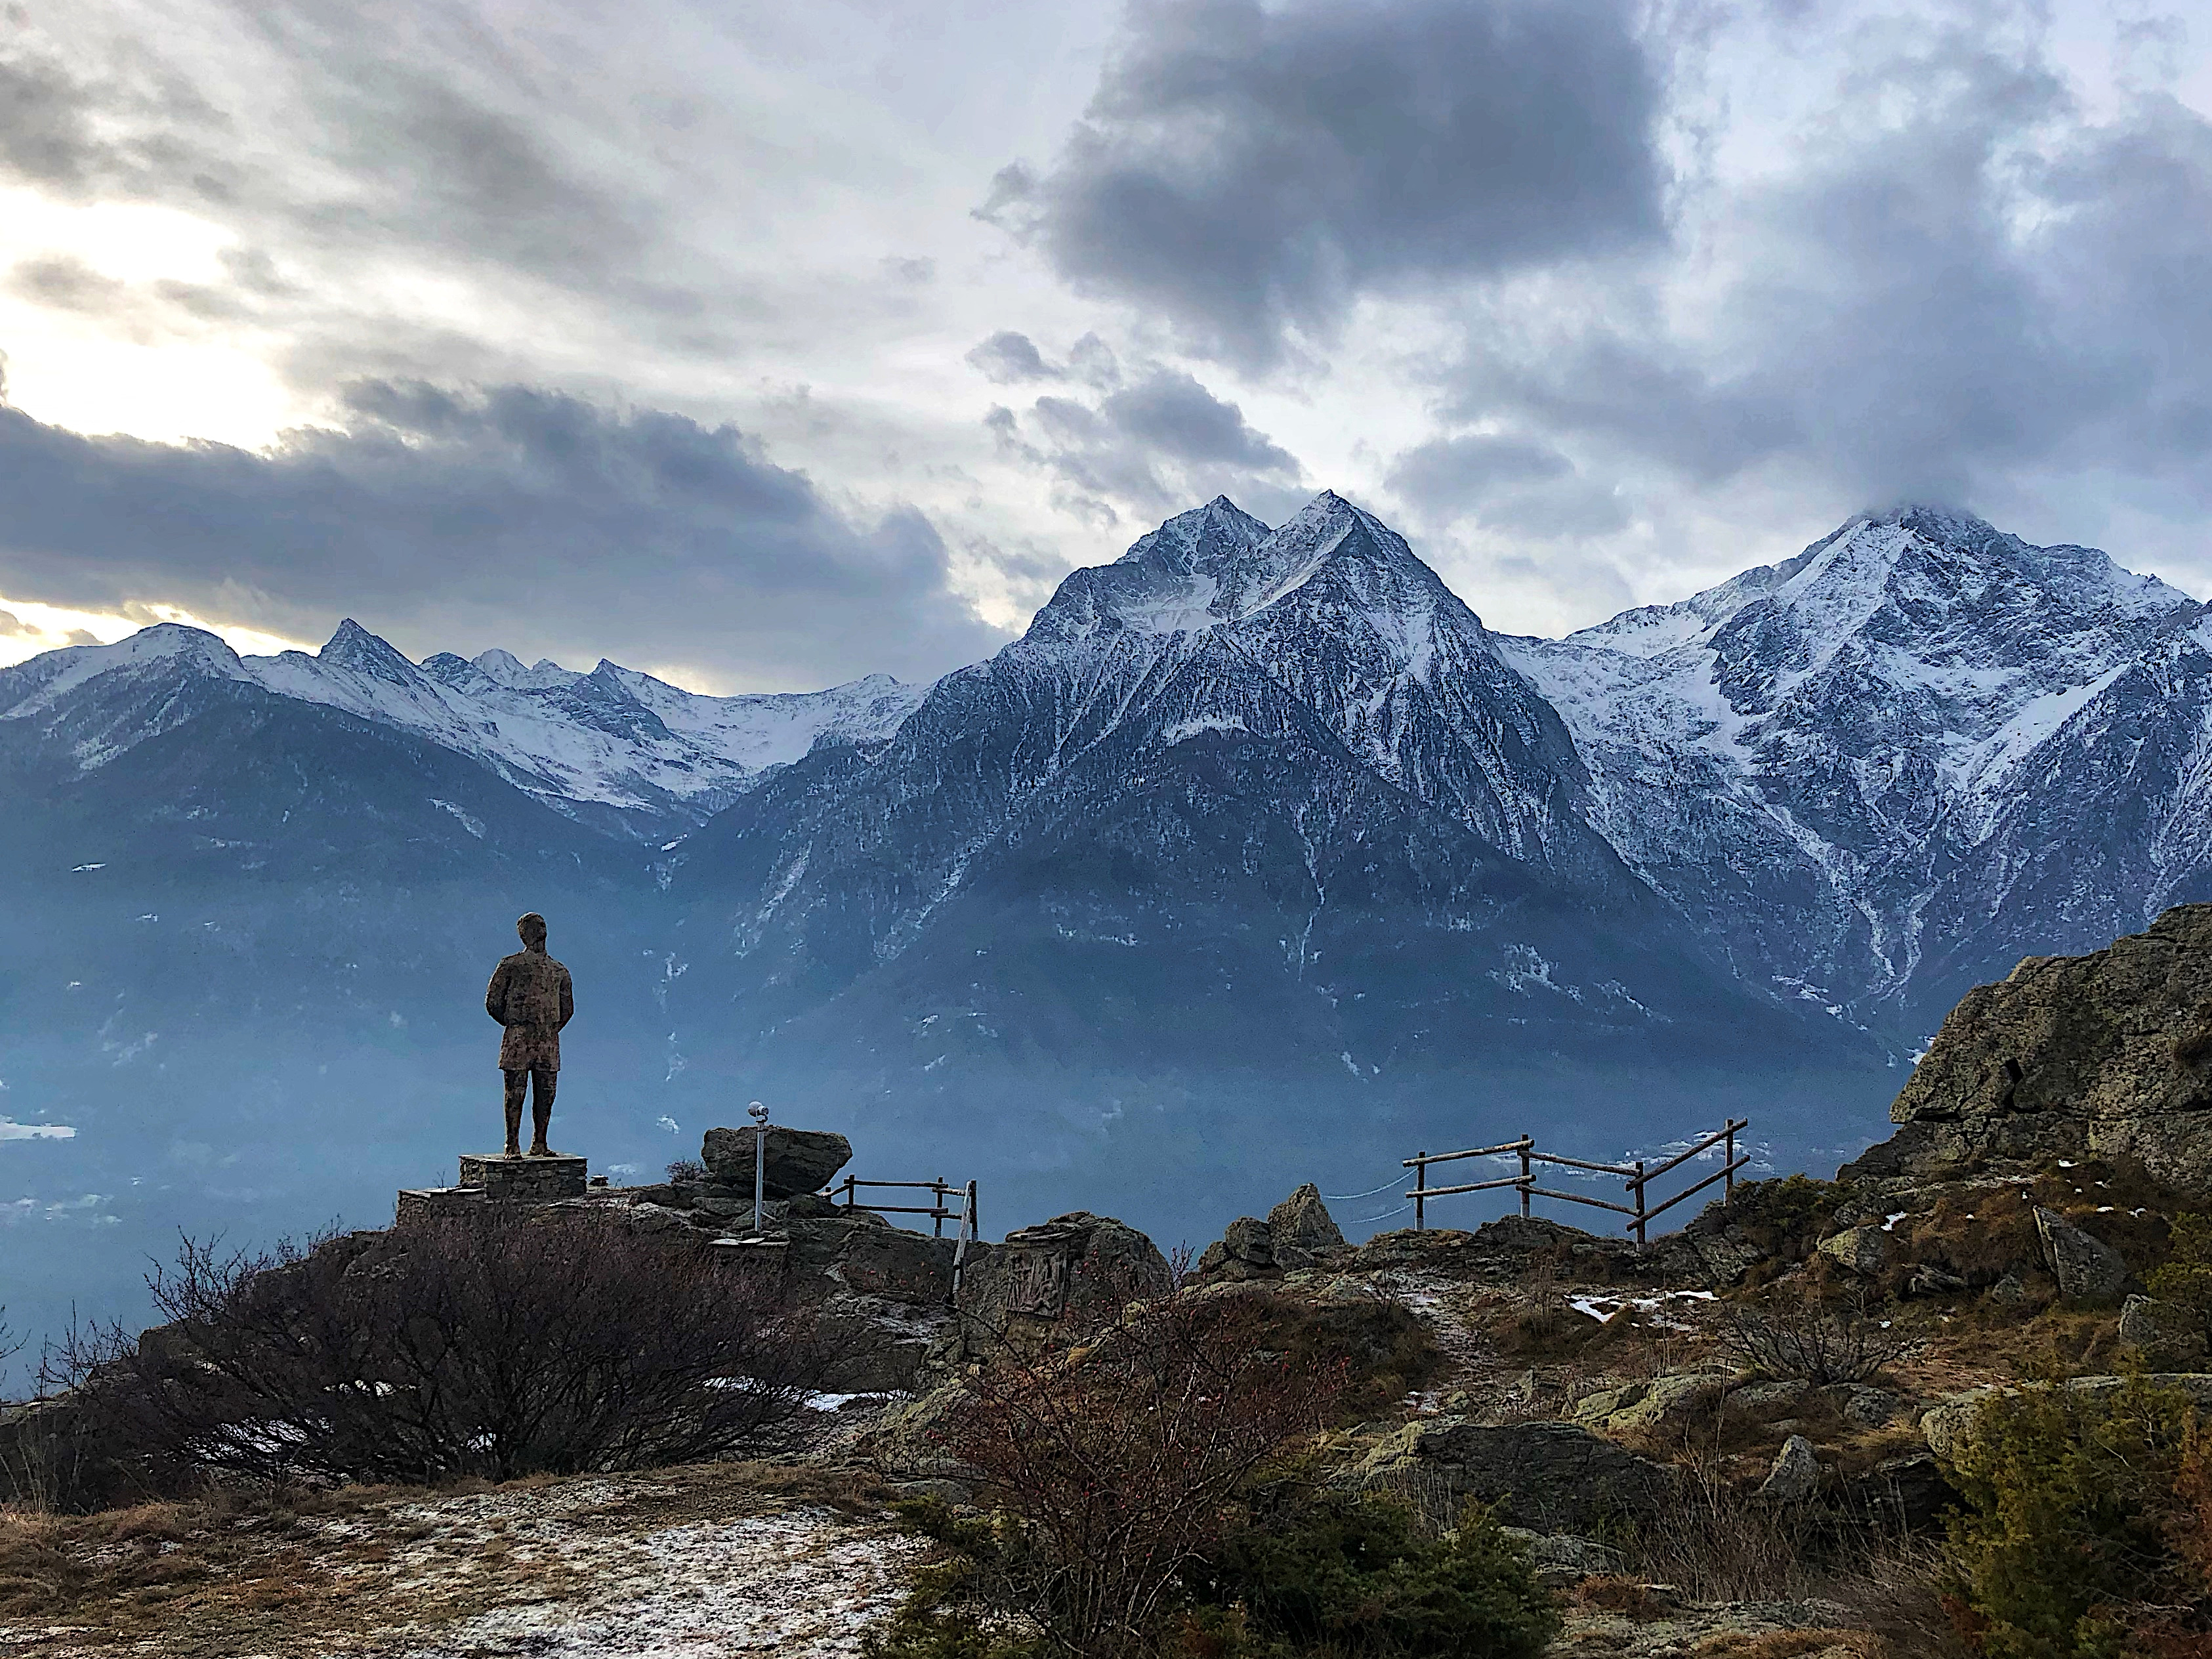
x=1257, y=858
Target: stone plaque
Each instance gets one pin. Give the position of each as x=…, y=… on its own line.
x=1036, y=1283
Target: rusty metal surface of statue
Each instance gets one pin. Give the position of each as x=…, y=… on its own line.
x=531, y=996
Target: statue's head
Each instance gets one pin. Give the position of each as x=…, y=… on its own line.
x=532, y=929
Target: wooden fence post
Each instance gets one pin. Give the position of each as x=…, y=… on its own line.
x=1420, y=1183
x=1639, y=1184
x=1729, y=1190
x=1528, y=1172
x=937, y=1203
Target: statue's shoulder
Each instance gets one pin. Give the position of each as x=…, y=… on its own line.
x=559, y=967
x=514, y=961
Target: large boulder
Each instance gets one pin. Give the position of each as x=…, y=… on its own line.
x=1552, y=1477
x=798, y=1160
x=2108, y=1055
x=2086, y=1268
x=1049, y=1280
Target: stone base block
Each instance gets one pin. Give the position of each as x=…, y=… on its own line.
x=421, y=1203
x=525, y=1180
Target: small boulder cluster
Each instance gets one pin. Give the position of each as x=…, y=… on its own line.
x=1298, y=1234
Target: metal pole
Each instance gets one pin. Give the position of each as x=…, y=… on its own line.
x=1527, y=1174
x=759, y=1113
x=1420, y=1181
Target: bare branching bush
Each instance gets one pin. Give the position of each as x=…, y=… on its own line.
x=1109, y=1465
x=493, y=1345
x=1797, y=1335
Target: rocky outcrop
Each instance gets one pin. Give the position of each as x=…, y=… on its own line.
x=798, y=1160
x=1299, y=1233
x=1301, y=1230
x=2108, y=1055
x=1551, y=1477
x=1070, y=1268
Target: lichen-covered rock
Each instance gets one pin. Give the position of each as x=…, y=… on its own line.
x=2105, y=1056
x=798, y=1160
x=1552, y=1477
x=2086, y=1268
x=1863, y=1250
x=2170, y=1335
x=1661, y=1407
x=1795, y=1475
x=1301, y=1231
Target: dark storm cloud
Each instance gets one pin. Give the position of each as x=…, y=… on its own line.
x=1152, y=445
x=1010, y=359
x=510, y=516
x=1975, y=296
x=1246, y=170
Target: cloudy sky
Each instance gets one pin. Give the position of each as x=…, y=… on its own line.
x=766, y=345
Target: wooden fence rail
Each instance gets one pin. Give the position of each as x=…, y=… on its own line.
x=1637, y=1177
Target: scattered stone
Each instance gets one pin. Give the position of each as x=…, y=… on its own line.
x=2087, y=1269
x=1552, y=1477
x=2168, y=1335
x=798, y=1160
x=1795, y=1475
x=1301, y=1230
x=1864, y=1405
x=1863, y=1250
x=1756, y=1398
x=2010, y=1292
x=1904, y=1494
x=1929, y=1279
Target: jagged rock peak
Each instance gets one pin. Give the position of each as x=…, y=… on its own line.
x=353, y=647
x=1218, y=564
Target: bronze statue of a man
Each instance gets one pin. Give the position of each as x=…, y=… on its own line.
x=531, y=996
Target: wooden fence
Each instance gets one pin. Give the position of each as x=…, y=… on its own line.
x=1637, y=1177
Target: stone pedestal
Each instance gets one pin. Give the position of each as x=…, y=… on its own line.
x=524, y=1180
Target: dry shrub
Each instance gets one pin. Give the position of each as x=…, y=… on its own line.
x=1799, y=1335
x=1110, y=1469
x=491, y=1346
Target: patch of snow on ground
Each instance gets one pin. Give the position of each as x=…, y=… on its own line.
x=807, y=1583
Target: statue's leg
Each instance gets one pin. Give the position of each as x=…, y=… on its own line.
x=543, y=1081
x=516, y=1083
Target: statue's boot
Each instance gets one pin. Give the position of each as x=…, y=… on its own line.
x=541, y=1113
x=513, y=1119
